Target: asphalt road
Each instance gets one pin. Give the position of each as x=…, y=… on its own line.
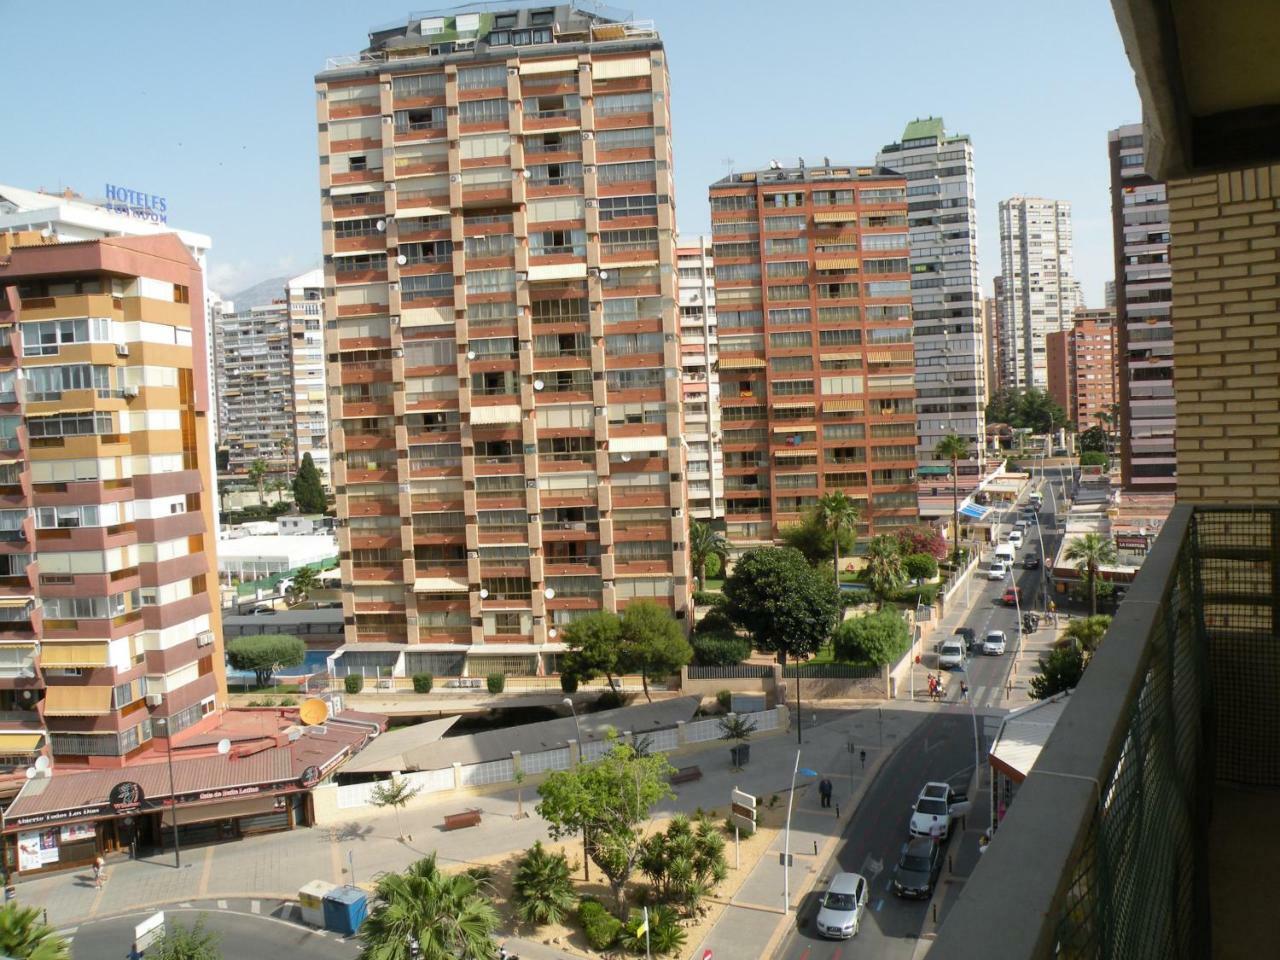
x=242, y=933
x=940, y=749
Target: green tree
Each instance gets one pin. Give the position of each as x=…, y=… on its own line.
x=884, y=567
x=1086, y=634
x=258, y=474
x=308, y=488
x=448, y=915
x=1060, y=670
x=305, y=581
x=1032, y=409
x=186, y=943
x=264, y=653
x=543, y=887
x=607, y=801
x=837, y=514
x=685, y=862
x=712, y=648
x=24, y=936
x=955, y=448
x=395, y=793
x=1093, y=440
x=880, y=638
x=278, y=486
x=815, y=541
x=653, y=644
x=922, y=538
x=786, y=606
x=920, y=566
x=1003, y=408
x=1089, y=553
x=705, y=542
x=595, y=644
x=1094, y=458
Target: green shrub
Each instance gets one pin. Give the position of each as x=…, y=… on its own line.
x=1094, y=458
x=920, y=566
x=353, y=683
x=719, y=649
x=496, y=682
x=707, y=598
x=612, y=700
x=665, y=933
x=255, y=703
x=880, y=638
x=569, y=682
x=743, y=830
x=724, y=698
x=543, y=887
x=423, y=682
x=288, y=701
x=269, y=702
x=925, y=594
x=714, y=566
x=600, y=927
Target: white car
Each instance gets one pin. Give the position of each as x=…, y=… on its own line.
x=993, y=643
x=840, y=910
x=997, y=570
x=932, y=812
x=951, y=654
x=1015, y=538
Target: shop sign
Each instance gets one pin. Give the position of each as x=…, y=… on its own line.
x=310, y=776
x=77, y=831
x=125, y=797
x=57, y=816
x=1135, y=542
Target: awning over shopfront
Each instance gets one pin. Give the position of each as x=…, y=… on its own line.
x=932, y=470
x=973, y=511
x=203, y=813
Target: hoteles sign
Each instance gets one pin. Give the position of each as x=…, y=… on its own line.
x=142, y=206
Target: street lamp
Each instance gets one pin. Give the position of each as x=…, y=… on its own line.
x=163, y=722
x=586, y=861
x=786, y=844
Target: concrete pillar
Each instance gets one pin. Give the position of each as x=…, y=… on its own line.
x=575, y=754
x=681, y=734
x=457, y=775
x=784, y=718
x=517, y=762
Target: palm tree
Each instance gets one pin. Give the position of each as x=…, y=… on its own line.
x=258, y=474
x=1089, y=553
x=884, y=567
x=278, y=486
x=23, y=934
x=446, y=915
x=836, y=512
x=705, y=542
x=543, y=887
x=955, y=448
x=304, y=581
x=1084, y=635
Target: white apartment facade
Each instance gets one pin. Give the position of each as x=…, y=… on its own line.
x=304, y=295
x=1039, y=292
x=946, y=295
x=701, y=380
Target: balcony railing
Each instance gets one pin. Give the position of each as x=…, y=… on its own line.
x=1104, y=851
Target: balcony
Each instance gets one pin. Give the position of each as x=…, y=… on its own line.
x=1128, y=837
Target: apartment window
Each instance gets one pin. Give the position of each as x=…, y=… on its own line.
x=46, y=337
x=422, y=118
x=418, y=85
x=729, y=251
x=746, y=202
x=494, y=348
x=831, y=198
x=634, y=551
x=558, y=242
x=842, y=384
x=70, y=425
x=636, y=379
x=885, y=241
x=783, y=224
x=837, y=291
x=791, y=364
x=739, y=319
x=556, y=174
x=792, y=388
x=482, y=111
x=490, y=245
x=490, y=281
x=634, y=138
x=507, y=588
x=358, y=263
x=617, y=345
x=889, y=288
x=734, y=226
x=889, y=335
x=791, y=340
x=432, y=251
x=562, y=142
x=617, y=208
x=784, y=245
x=637, y=413
x=365, y=227
x=487, y=314
x=886, y=265
x=476, y=78
x=421, y=224
x=562, y=311
x=844, y=431
x=883, y=195
x=624, y=103
x=786, y=268
x=729, y=272
x=424, y=287
x=626, y=172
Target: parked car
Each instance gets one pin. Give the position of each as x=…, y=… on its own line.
x=997, y=570
x=840, y=910
x=918, y=868
x=1006, y=552
x=1031, y=562
x=969, y=637
x=1037, y=499
x=1012, y=597
x=1015, y=538
x=1020, y=525
x=934, y=809
x=951, y=654
x=993, y=643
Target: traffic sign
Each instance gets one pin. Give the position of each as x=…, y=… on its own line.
x=149, y=931
x=737, y=797
x=747, y=813
x=706, y=955
x=743, y=823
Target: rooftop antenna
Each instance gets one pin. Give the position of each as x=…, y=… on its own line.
x=801, y=162
x=826, y=161
x=728, y=165
x=774, y=165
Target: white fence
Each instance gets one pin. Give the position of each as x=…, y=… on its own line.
x=492, y=771
x=702, y=730
x=432, y=781
x=544, y=761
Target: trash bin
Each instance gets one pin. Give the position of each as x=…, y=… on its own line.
x=311, y=901
x=740, y=754
x=345, y=909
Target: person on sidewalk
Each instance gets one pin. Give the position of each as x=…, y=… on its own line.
x=98, y=865
x=824, y=791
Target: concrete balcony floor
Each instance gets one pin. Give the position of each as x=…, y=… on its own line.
x=1244, y=869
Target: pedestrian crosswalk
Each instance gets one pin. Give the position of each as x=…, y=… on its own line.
x=983, y=696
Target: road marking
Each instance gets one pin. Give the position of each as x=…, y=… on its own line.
x=805, y=955
x=186, y=904
x=222, y=904
x=255, y=906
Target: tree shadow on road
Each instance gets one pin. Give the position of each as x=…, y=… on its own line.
x=351, y=830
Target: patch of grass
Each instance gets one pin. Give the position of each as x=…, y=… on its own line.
x=713, y=584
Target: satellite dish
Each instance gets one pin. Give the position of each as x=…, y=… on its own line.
x=382, y=225
x=484, y=594
x=402, y=259
x=31, y=773
x=224, y=746
x=553, y=632
x=626, y=458
x=42, y=763
x=527, y=173
x=538, y=384
x=604, y=274
x=549, y=593
x=471, y=354
x=313, y=711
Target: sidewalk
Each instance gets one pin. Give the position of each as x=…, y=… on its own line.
x=277, y=865
x=754, y=916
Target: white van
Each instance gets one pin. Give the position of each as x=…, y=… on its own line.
x=1005, y=552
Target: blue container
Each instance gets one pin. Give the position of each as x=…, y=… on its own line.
x=345, y=909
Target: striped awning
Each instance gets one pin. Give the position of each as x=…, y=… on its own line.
x=741, y=363
x=656, y=444
x=56, y=654
x=835, y=216
x=842, y=406
x=838, y=263
x=888, y=356
x=796, y=428
x=841, y=356
x=792, y=406
x=77, y=701
x=15, y=601
x=439, y=585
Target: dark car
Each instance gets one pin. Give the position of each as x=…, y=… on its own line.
x=1030, y=562
x=917, y=868
x=970, y=638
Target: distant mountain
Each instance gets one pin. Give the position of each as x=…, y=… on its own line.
x=260, y=294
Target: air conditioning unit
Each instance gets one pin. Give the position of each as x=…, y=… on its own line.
x=204, y=638
x=131, y=392
x=122, y=349
x=154, y=699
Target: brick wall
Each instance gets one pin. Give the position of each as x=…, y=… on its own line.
x=1225, y=255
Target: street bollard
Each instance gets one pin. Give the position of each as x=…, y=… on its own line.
x=935, y=913
x=837, y=811
x=815, y=848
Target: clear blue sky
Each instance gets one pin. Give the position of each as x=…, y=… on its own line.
x=212, y=105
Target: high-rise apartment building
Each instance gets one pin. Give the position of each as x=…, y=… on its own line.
x=502, y=334
x=1109, y=294
x=817, y=371
x=304, y=295
x=255, y=387
x=946, y=296
x=107, y=525
x=1039, y=294
x=698, y=354
x=1144, y=323
x=1081, y=367
x=991, y=345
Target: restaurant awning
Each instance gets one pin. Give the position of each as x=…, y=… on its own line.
x=77, y=701
x=932, y=470
x=55, y=654
x=220, y=811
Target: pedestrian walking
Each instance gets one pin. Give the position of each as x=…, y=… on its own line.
x=98, y=865
x=824, y=791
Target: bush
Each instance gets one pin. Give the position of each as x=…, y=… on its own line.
x=920, y=566
x=708, y=598
x=423, y=682
x=743, y=830
x=288, y=701
x=665, y=933
x=880, y=638
x=569, y=682
x=1094, y=458
x=600, y=927
x=714, y=566
x=925, y=594
x=353, y=683
x=724, y=698
x=612, y=700
x=543, y=887
x=269, y=702
x=496, y=682
x=719, y=649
